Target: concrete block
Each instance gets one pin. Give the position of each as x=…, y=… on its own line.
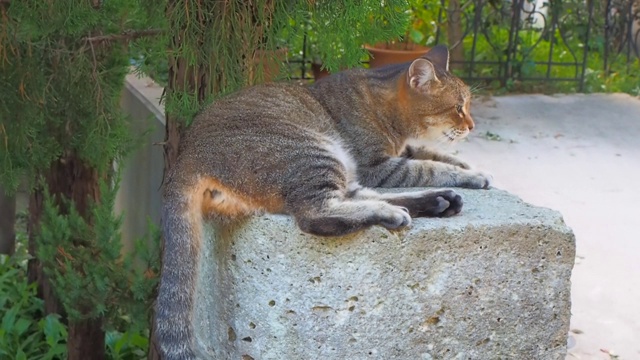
x=490, y=283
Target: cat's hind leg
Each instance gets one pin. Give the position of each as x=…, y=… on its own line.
x=341, y=214
x=335, y=216
x=425, y=203
x=321, y=205
x=319, y=198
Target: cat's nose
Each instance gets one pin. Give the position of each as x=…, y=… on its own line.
x=470, y=123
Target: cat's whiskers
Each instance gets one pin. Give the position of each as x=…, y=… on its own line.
x=452, y=134
x=477, y=87
x=442, y=139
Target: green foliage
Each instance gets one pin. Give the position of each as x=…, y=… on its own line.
x=623, y=76
x=59, y=91
x=149, y=54
x=336, y=30
x=338, y=44
x=128, y=345
x=424, y=23
x=62, y=69
x=223, y=41
x=83, y=260
x=531, y=48
x=24, y=334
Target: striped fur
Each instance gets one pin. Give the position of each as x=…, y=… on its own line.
x=311, y=152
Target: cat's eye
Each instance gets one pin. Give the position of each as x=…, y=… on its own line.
x=459, y=110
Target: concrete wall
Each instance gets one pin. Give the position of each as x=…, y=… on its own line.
x=139, y=197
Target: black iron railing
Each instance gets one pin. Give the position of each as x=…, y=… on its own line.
x=531, y=40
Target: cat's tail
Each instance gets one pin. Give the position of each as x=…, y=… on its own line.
x=182, y=222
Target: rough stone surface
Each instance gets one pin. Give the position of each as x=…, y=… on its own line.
x=490, y=283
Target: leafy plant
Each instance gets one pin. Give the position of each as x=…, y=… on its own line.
x=525, y=60
x=420, y=26
x=338, y=44
x=109, y=283
x=24, y=334
x=127, y=345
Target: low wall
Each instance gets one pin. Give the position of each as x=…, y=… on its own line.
x=492, y=282
x=139, y=196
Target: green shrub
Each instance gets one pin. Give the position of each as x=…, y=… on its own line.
x=24, y=334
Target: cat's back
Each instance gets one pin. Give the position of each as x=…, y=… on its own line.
x=250, y=139
x=261, y=108
x=359, y=94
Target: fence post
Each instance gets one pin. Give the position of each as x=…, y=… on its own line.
x=586, y=45
x=512, y=47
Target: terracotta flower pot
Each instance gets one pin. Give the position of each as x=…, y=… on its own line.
x=318, y=71
x=267, y=63
x=381, y=55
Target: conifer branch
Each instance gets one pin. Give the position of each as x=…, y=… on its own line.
x=127, y=35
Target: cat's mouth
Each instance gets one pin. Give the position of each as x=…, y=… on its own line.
x=449, y=135
x=445, y=134
x=454, y=134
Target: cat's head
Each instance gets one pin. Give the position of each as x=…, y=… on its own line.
x=439, y=102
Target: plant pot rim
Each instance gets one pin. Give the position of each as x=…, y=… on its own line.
x=420, y=49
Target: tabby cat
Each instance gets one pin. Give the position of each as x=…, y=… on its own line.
x=315, y=153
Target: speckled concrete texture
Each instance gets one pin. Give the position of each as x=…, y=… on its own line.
x=492, y=282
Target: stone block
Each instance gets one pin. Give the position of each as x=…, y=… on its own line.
x=490, y=283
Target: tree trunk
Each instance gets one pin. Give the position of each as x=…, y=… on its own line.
x=86, y=340
x=174, y=129
x=7, y=223
x=71, y=179
x=154, y=352
x=455, y=34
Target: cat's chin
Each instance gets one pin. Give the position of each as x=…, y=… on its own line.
x=461, y=134
x=443, y=134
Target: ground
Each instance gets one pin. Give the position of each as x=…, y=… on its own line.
x=580, y=155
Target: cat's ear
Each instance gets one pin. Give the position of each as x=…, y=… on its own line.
x=420, y=73
x=439, y=57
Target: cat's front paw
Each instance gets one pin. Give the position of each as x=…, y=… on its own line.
x=476, y=180
x=450, y=159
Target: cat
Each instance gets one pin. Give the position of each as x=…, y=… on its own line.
x=313, y=152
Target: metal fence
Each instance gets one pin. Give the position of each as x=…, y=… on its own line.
x=531, y=40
